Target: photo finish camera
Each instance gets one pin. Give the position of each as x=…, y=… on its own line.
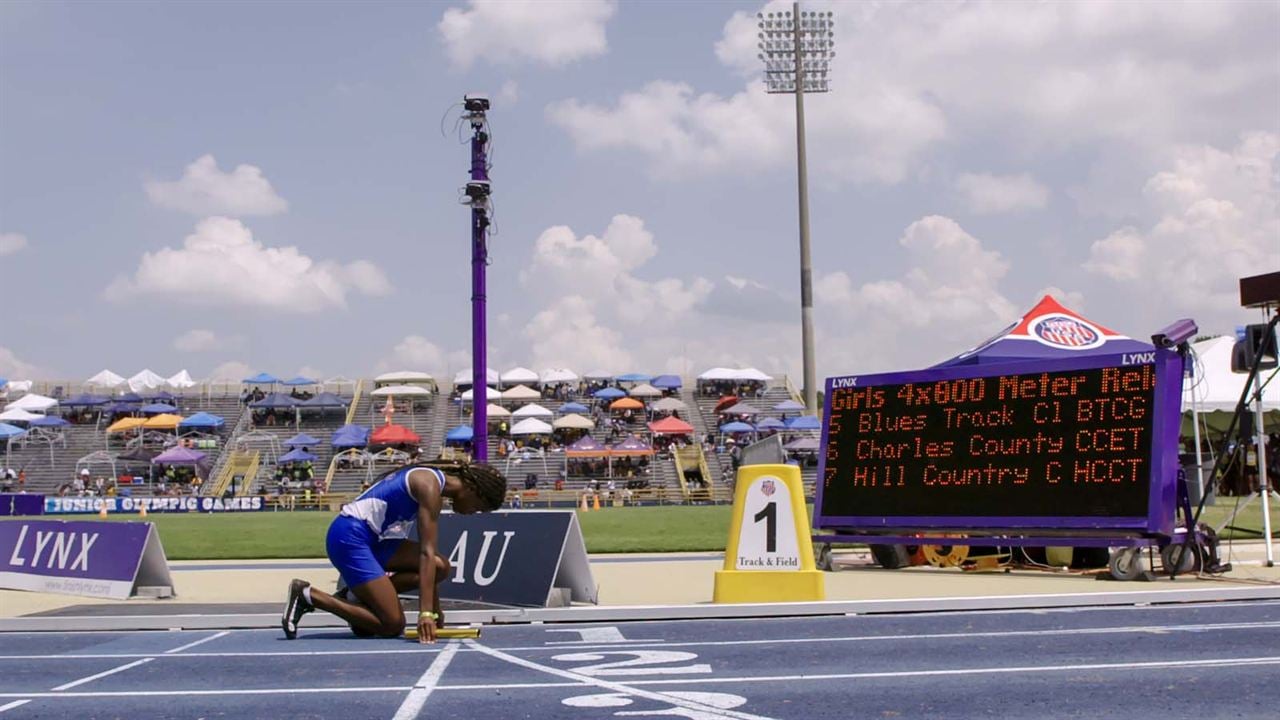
x=1176, y=333
x=475, y=103
x=477, y=191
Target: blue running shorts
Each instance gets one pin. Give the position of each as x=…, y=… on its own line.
x=357, y=552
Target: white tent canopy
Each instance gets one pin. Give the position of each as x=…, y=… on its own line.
x=519, y=376
x=32, y=403
x=668, y=404
x=17, y=414
x=521, y=392
x=558, y=375
x=531, y=426
x=531, y=410
x=401, y=391
x=1214, y=387
x=490, y=394
x=573, y=421
x=497, y=411
x=752, y=374
x=181, y=380
x=106, y=379
x=644, y=390
x=463, y=377
x=722, y=373
x=145, y=380
x=401, y=377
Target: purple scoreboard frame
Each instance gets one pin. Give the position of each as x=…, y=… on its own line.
x=1093, y=530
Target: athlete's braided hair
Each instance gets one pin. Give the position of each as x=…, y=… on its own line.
x=489, y=485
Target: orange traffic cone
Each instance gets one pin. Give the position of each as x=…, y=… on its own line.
x=596, y=504
x=142, y=510
x=584, y=507
x=102, y=511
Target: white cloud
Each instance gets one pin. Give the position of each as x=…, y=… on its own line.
x=908, y=78
x=547, y=32
x=11, y=243
x=311, y=372
x=196, y=341
x=14, y=368
x=221, y=264
x=987, y=194
x=203, y=189
x=232, y=371
x=508, y=94
x=416, y=352
x=1214, y=218
x=568, y=334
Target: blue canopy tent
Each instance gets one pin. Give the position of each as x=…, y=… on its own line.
x=789, y=406
x=634, y=377
x=609, y=393
x=201, y=421
x=120, y=407
x=275, y=401
x=572, y=407
x=297, y=455
x=325, y=400
x=161, y=396
x=460, y=434
x=770, y=424
x=299, y=380
x=667, y=382
x=3, y=382
x=157, y=409
x=9, y=433
x=130, y=397
x=261, y=379
x=85, y=400
x=804, y=422
x=349, y=436
x=301, y=440
x=49, y=421
x=737, y=427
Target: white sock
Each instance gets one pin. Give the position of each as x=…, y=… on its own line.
x=306, y=594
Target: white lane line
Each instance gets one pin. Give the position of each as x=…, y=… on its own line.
x=172, y=693
x=201, y=641
x=422, y=689
x=104, y=673
x=268, y=653
x=14, y=704
x=615, y=687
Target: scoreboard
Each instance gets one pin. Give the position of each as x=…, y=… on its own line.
x=1080, y=443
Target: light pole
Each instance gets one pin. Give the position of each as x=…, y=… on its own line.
x=796, y=48
x=477, y=196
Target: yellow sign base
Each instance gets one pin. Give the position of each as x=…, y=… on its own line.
x=753, y=586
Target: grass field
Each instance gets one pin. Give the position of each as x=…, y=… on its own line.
x=670, y=528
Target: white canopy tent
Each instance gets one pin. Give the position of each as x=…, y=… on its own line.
x=668, y=405
x=497, y=411
x=521, y=392
x=401, y=391
x=146, y=380
x=519, y=376
x=531, y=426
x=644, y=390
x=105, y=379
x=404, y=377
x=17, y=414
x=181, y=380
x=490, y=394
x=32, y=402
x=1213, y=390
x=598, y=375
x=573, y=421
x=463, y=377
x=558, y=375
x=531, y=410
x=723, y=373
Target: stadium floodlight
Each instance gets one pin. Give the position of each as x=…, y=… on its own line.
x=796, y=49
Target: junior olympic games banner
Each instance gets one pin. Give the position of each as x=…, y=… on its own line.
x=73, y=505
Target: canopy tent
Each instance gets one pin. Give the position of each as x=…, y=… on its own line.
x=740, y=408
x=531, y=426
x=394, y=435
x=404, y=377
x=297, y=455
x=550, y=376
x=145, y=380
x=157, y=409
x=349, y=436
x=572, y=407
x=48, y=421
x=573, y=421
x=178, y=455
x=3, y=381
x=608, y=393
x=789, y=405
x=301, y=440
x=299, y=381
x=162, y=422
x=1048, y=331
x=587, y=446
x=19, y=415
x=598, y=375
x=202, y=421
x=804, y=443
x=489, y=394
x=125, y=424
x=497, y=411
x=668, y=405
x=181, y=380
x=1213, y=390
x=744, y=374
x=275, y=401
x=634, y=378
x=261, y=378
x=631, y=445
x=32, y=402
x=726, y=401
x=644, y=390
x=130, y=397
x=804, y=422
x=18, y=385
x=753, y=375
x=10, y=432
x=86, y=400
x=401, y=391
x=105, y=379
x=462, y=433
x=518, y=376
x=531, y=410
x=160, y=396
x=339, y=381
x=120, y=407
x=521, y=392
x=770, y=423
x=626, y=403
x=736, y=427
x=670, y=426
x=324, y=400
x=667, y=382
x=463, y=377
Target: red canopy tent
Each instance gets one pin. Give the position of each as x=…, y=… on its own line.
x=394, y=435
x=726, y=401
x=671, y=426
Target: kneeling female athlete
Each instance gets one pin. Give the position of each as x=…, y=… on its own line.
x=367, y=539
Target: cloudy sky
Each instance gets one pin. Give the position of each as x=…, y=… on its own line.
x=227, y=187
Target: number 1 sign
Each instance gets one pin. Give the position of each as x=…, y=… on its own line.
x=769, y=555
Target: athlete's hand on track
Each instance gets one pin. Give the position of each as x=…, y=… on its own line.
x=426, y=629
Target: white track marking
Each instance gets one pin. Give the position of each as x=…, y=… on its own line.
x=104, y=673
x=615, y=687
x=412, y=704
x=201, y=641
x=1132, y=629
x=14, y=704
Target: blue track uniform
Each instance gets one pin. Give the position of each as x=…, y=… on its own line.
x=366, y=533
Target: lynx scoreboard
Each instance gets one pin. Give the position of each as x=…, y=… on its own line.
x=1068, y=444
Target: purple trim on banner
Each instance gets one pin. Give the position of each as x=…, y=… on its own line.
x=21, y=504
